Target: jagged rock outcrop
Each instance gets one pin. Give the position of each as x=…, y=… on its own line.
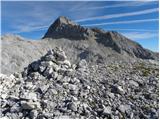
x=65, y=28
x=122, y=44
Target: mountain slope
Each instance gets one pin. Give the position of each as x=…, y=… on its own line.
x=65, y=28
x=92, y=44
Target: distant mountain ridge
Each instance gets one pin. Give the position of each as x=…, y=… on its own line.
x=65, y=28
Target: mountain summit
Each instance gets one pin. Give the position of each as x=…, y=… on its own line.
x=62, y=20
x=65, y=28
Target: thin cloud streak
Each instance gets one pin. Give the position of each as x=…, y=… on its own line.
x=44, y=27
x=122, y=22
x=137, y=30
x=139, y=35
x=127, y=4
x=120, y=15
x=30, y=29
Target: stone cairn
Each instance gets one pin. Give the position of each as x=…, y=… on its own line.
x=47, y=88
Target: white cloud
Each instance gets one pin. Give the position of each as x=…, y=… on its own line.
x=29, y=29
x=122, y=22
x=119, y=15
x=140, y=35
x=41, y=16
x=123, y=4
x=137, y=30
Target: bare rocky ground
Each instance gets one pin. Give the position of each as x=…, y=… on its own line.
x=60, y=77
x=52, y=87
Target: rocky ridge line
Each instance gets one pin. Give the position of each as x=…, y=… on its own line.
x=65, y=28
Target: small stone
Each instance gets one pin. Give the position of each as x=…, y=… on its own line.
x=117, y=89
x=74, y=80
x=44, y=88
x=73, y=66
x=49, y=58
x=59, y=77
x=50, y=52
x=13, y=97
x=30, y=105
x=107, y=110
x=34, y=75
x=87, y=87
x=124, y=108
x=42, y=68
x=29, y=85
x=62, y=71
x=54, y=91
x=66, y=62
x=66, y=79
x=63, y=110
x=48, y=71
x=15, y=108
x=33, y=114
x=35, y=66
x=3, y=96
x=29, y=96
x=74, y=98
x=17, y=75
x=134, y=83
x=12, y=76
x=32, y=96
x=62, y=117
x=72, y=106
x=27, y=105
x=53, y=75
x=73, y=92
x=82, y=64
x=46, y=63
x=72, y=87
x=55, y=67
x=111, y=95
x=59, y=54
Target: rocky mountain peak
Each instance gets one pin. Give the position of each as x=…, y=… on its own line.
x=64, y=20
x=63, y=27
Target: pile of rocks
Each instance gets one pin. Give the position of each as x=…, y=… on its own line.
x=47, y=88
x=52, y=87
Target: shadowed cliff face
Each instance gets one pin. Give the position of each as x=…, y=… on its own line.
x=65, y=28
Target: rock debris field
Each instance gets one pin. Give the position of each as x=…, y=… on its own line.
x=53, y=87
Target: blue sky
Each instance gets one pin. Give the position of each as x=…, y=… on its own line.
x=138, y=20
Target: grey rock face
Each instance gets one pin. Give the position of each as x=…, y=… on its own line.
x=65, y=28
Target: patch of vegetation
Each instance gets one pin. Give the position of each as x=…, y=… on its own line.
x=113, y=67
x=146, y=71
